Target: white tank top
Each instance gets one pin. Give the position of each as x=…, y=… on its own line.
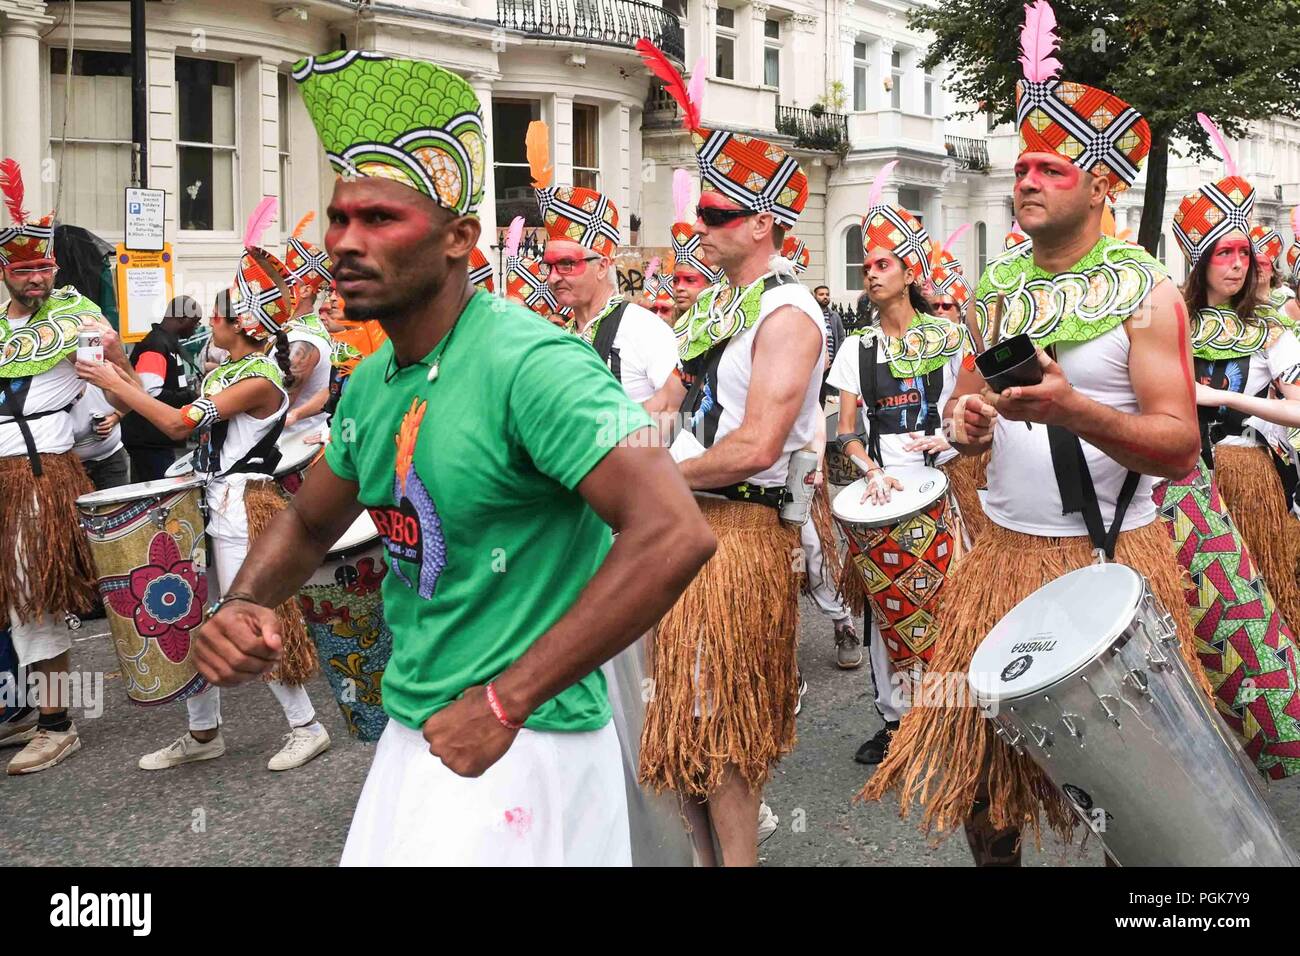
x=319, y=379
x=737, y=365
x=1022, y=490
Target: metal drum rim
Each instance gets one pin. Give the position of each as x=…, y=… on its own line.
x=1113, y=643
x=117, y=496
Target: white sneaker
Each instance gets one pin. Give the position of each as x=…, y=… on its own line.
x=184, y=749
x=301, y=746
x=767, y=823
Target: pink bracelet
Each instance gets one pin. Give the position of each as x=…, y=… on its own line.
x=498, y=711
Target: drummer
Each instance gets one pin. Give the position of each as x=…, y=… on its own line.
x=47, y=576
x=917, y=357
x=238, y=420
x=578, y=265
x=309, y=341
x=1125, y=387
x=725, y=662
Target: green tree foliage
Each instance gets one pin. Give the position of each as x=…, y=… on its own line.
x=1236, y=60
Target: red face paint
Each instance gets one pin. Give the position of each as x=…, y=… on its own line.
x=1229, y=263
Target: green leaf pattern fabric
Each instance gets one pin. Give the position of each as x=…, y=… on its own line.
x=1096, y=295
x=46, y=340
x=405, y=120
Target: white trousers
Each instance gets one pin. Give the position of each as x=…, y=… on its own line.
x=553, y=799
x=822, y=591
x=45, y=637
x=205, y=709
x=892, y=695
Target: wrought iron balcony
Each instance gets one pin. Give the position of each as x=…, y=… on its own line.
x=971, y=153
x=614, y=22
x=813, y=129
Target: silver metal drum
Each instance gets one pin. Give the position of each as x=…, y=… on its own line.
x=1085, y=676
x=659, y=836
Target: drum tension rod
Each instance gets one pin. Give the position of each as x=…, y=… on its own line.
x=1101, y=699
x=1068, y=720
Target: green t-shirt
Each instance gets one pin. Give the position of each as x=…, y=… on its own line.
x=471, y=480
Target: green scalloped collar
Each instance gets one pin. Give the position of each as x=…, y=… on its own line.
x=721, y=312
x=588, y=335
x=1219, y=333
x=1095, y=295
x=253, y=365
x=47, y=338
x=928, y=343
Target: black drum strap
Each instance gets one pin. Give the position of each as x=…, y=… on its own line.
x=867, y=386
x=1074, y=480
x=604, y=341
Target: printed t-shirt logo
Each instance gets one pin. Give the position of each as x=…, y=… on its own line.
x=412, y=530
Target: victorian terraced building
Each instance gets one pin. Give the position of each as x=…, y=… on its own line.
x=839, y=83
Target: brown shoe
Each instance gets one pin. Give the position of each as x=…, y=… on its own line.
x=15, y=733
x=47, y=748
x=848, y=650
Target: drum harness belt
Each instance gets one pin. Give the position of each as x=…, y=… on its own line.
x=604, y=341
x=12, y=401
x=1074, y=481
x=867, y=371
x=707, y=367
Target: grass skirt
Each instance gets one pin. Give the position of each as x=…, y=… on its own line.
x=54, y=573
x=736, y=627
x=940, y=755
x=263, y=501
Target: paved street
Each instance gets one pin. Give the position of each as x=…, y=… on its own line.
x=98, y=809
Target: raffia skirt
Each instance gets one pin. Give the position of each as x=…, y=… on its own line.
x=941, y=755
x=725, y=673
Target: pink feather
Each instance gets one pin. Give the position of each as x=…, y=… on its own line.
x=695, y=88
x=1038, y=43
x=652, y=269
x=1015, y=225
x=681, y=193
x=514, y=235
x=878, y=184
x=1219, y=142
x=1295, y=222
x=262, y=217
x=957, y=234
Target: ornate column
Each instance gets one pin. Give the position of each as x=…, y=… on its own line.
x=487, y=211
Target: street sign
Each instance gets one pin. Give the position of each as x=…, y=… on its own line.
x=144, y=287
x=145, y=209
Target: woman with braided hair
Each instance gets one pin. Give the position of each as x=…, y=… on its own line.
x=238, y=418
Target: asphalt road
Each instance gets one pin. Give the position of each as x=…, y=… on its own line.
x=97, y=808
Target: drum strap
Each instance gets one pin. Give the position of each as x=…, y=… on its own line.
x=604, y=342
x=13, y=402
x=867, y=385
x=1074, y=480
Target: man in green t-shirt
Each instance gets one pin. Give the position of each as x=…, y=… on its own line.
x=494, y=453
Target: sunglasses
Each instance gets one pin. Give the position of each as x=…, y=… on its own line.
x=945, y=306
x=712, y=216
x=565, y=267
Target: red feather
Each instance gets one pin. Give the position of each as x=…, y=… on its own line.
x=11, y=184
x=659, y=65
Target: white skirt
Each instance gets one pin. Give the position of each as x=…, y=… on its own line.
x=553, y=799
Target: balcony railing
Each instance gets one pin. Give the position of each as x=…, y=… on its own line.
x=616, y=22
x=970, y=153
x=813, y=130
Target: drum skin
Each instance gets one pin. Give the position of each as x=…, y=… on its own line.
x=344, y=610
x=151, y=561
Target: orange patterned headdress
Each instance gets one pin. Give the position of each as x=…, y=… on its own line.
x=751, y=172
x=1216, y=210
x=263, y=298
x=894, y=229
x=574, y=213
x=27, y=241
x=1266, y=242
x=480, y=271
x=796, y=250
x=948, y=276
x=685, y=241
x=1293, y=251
x=309, y=265
x=1095, y=130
